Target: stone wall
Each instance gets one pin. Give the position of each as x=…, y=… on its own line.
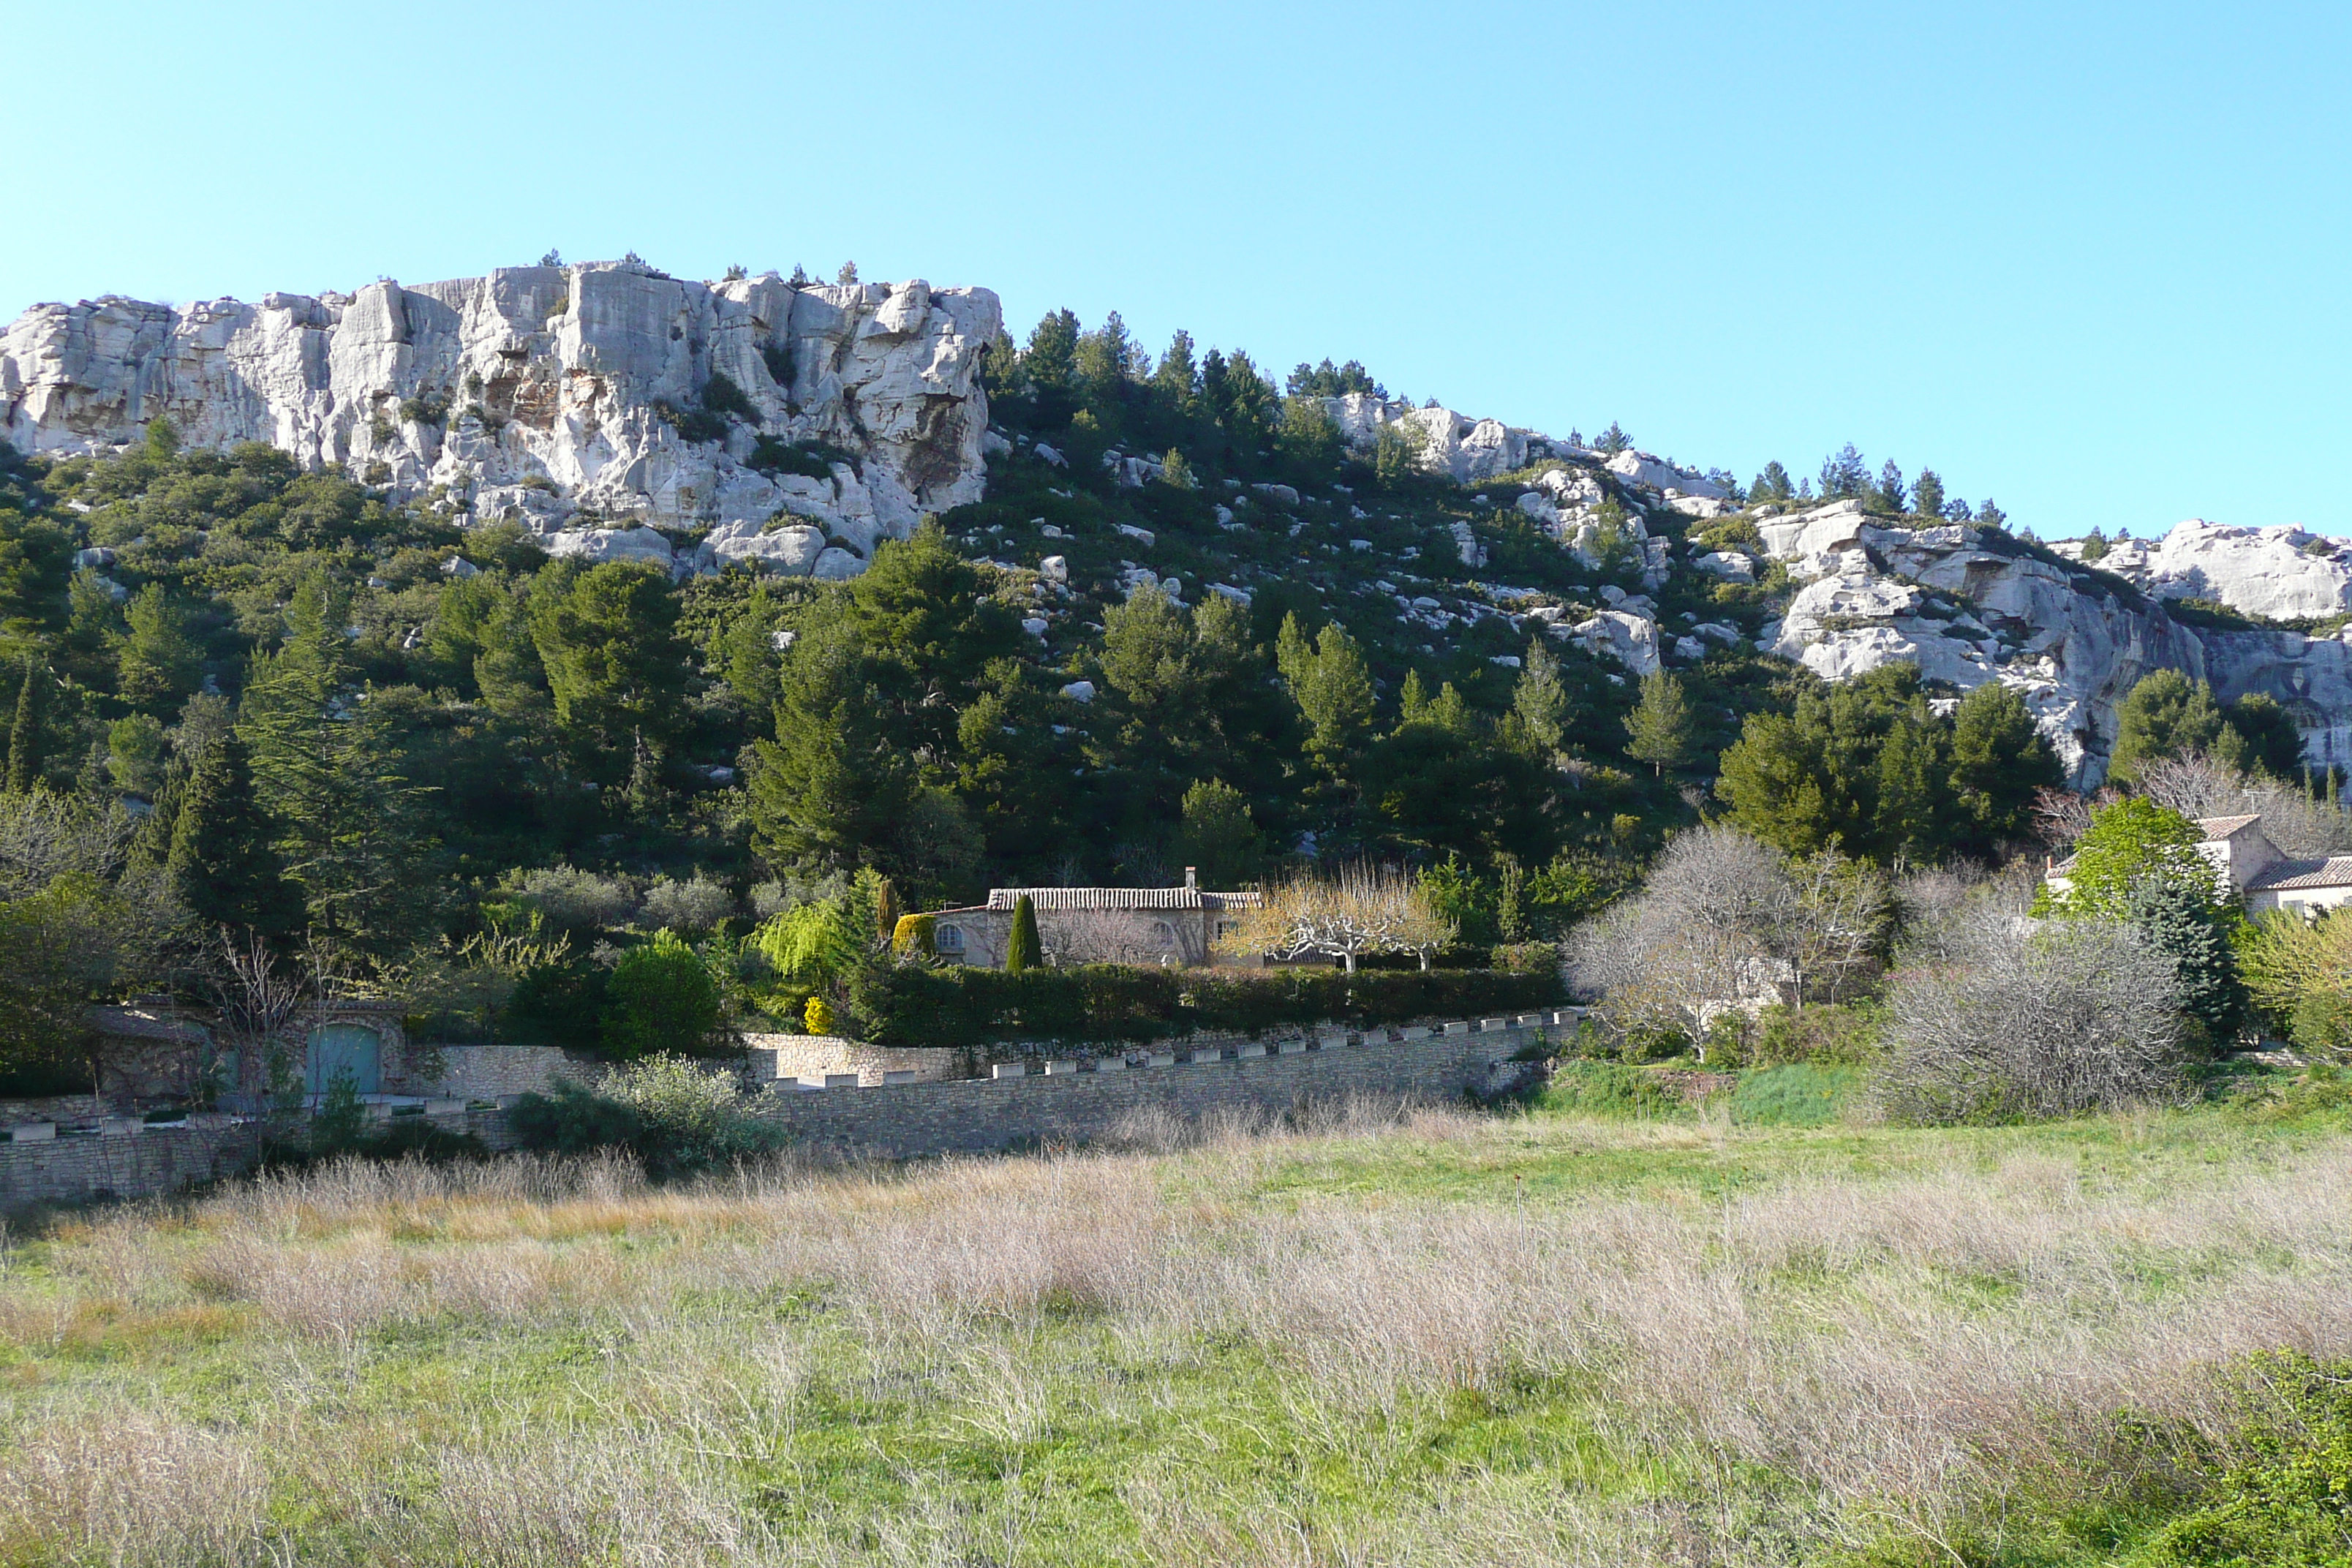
x=1071, y=1102
x=1074, y=1103
x=491, y=1072
x=122, y=1157
x=812, y=1058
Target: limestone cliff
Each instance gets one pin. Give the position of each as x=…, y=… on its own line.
x=591, y=404
x=1969, y=605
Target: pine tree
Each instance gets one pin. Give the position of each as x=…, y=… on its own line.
x=1928, y=494
x=2180, y=922
x=160, y=662
x=1023, y=950
x=222, y=866
x=1332, y=685
x=1539, y=699
x=1612, y=441
x=2163, y=715
x=25, y=734
x=1890, y=488
x=1661, y=726
x=321, y=770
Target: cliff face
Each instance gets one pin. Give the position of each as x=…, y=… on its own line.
x=1969, y=605
x=554, y=396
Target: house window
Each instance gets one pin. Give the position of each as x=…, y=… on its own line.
x=948, y=939
x=1164, y=933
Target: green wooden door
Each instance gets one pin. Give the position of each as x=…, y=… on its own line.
x=344, y=1047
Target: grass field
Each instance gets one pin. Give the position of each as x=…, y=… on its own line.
x=1388, y=1336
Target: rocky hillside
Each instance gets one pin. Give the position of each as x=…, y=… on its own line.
x=616, y=412
x=608, y=407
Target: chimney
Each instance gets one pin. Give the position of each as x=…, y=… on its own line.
x=1190, y=880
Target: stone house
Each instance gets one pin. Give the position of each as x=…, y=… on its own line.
x=2247, y=864
x=1167, y=926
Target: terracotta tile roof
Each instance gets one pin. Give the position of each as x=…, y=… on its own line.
x=2219, y=828
x=2332, y=871
x=1118, y=899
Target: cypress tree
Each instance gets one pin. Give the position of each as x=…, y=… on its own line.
x=25, y=734
x=1023, y=951
x=222, y=864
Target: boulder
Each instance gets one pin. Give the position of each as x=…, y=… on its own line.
x=1657, y=474
x=1631, y=639
x=603, y=544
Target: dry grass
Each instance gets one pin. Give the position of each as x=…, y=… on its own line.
x=1902, y=1352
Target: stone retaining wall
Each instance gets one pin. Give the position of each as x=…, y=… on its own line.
x=1071, y=1102
x=1074, y=1103
x=122, y=1157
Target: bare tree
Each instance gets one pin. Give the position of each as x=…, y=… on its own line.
x=2199, y=785
x=259, y=996
x=44, y=837
x=1360, y=909
x=1725, y=922
x=1996, y=1016
x=1836, y=925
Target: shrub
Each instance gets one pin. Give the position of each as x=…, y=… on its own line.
x=696, y=904
x=910, y=1005
x=673, y=1114
x=913, y=936
x=1849, y=1034
x=661, y=998
x=570, y=899
x=721, y=395
x=1996, y=1017
x=2283, y=1498
x=1607, y=1089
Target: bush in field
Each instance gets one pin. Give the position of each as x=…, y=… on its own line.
x=675, y=1115
x=1996, y=1017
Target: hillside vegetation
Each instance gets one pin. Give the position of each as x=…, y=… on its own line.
x=1386, y=1335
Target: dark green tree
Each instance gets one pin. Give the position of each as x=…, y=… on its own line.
x=2164, y=715
x=160, y=662
x=24, y=759
x=835, y=781
x=1928, y=494
x=1999, y=759
x=1023, y=950
x=224, y=866
x=2181, y=920
x=615, y=667
x=1217, y=836
x=1332, y=685
x=2269, y=740
x=660, y=997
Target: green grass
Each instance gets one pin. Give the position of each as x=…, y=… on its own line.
x=1272, y=1349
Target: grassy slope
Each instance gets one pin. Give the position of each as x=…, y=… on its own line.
x=1468, y=1340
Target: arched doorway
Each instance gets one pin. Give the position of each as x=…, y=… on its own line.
x=336, y=1048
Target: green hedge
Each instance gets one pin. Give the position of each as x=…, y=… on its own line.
x=910, y=1005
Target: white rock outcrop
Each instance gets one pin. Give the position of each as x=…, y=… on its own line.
x=2280, y=574
x=1969, y=605
x=552, y=396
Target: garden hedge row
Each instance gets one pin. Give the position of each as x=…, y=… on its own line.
x=911, y=1005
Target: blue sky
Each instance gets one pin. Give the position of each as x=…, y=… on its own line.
x=2087, y=260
